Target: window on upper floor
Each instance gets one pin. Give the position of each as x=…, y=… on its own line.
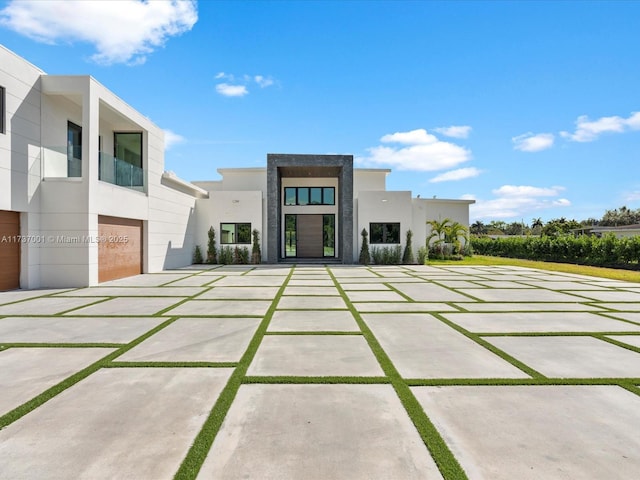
x=3, y=110
x=309, y=196
x=235, y=233
x=384, y=232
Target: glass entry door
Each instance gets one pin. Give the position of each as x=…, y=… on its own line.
x=309, y=236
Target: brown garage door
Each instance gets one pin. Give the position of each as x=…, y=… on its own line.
x=9, y=250
x=120, y=248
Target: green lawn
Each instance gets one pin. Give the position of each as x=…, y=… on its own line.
x=612, y=273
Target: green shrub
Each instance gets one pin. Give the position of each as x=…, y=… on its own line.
x=212, y=255
x=387, y=255
x=256, y=254
x=365, y=256
x=240, y=255
x=197, y=255
x=407, y=256
x=423, y=255
x=226, y=256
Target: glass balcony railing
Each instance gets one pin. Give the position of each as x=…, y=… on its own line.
x=65, y=162
x=119, y=172
x=61, y=162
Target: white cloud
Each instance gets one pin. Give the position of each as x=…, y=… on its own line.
x=588, y=131
x=263, y=81
x=529, y=142
x=632, y=196
x=526, y=191
x=455, y=131
x=171, y=139
x=454, y=175
x=238, y=86
x=122, y=32
x=517, y=201
x=422, y=152
x=231, y=90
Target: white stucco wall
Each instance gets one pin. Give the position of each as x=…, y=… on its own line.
x=425, y=209
x=229, y=206
x=383, y=207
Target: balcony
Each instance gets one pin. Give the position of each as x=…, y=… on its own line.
x=65, y=162
x=121, y=173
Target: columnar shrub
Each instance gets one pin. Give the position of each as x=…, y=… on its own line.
x=226, y=256
x=212, y=254
x=407, y=256
x=365, y=256
x=256, y=254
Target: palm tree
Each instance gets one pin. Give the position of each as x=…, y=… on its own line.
x=454, y=231
x=478, y=228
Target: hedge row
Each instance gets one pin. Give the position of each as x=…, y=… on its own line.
x=585, y=250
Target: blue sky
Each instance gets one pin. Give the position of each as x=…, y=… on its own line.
x=531, y=108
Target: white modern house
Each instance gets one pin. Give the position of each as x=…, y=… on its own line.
x=84, y=197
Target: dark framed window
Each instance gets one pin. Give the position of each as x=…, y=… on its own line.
x=384, y=232
x=235, y=233
x=3, y=110
x=329, y=235
x=309, y=196
x=127, y=146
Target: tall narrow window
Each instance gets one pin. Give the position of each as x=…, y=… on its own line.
x=290, y=240
x=127, y=163
x=3, y=110
x=329, y=235
x=74, y=150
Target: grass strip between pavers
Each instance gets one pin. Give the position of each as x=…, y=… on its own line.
x=51, y=392
x=297, y=380
x=505, y=382
x=172, y=364
x=197, y=454
x=314, y=332
x=61, y=345
x=440, y=452
x=492, y=348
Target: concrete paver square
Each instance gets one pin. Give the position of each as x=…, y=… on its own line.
x=374, y=307
x=630, y=316
x=146, y=280
x=375, y=296
x=429, y=292
x=538, y=432
x=294, y=282
x=250, y=281
x=571, y=357
x=214, y=308
x=528, y=307
x=254, y=293
x=195, y=281
x=127, y=306
x=633, y=340
x=563, y=285
x=27, y=372
x=311, y=303
x=421, y=346
x=196, y=340
x=312, y=320
x=46, y=305
x=538, y=322
x=117, y=423
x=315, y=291
x=459, y=283
x=15, y=295
x=315, y=355
x=520, y=295
x=169, y=291
x=318, y=432
x=74, y=329
x=364, y=286
x=609, y=296
x=499, y=284
x=624, y=307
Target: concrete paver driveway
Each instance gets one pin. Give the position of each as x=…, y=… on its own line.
x=323, y=372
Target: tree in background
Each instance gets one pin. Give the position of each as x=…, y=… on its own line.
x=559, y=226
x=478, y=228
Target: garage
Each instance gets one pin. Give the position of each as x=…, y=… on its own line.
x=119, y=248
x=9, y=250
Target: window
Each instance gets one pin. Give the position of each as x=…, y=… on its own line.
x=235, y=233
x=329, y=235
x=128, y=147
x=3, y=112
x=309, y=196
x=74, y=150
x=384, y=232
